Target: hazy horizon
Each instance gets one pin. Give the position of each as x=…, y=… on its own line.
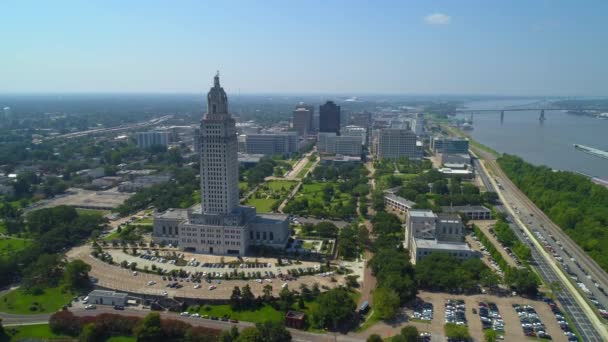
x=350, y=48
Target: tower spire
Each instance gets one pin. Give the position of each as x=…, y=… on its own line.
x=216, y=79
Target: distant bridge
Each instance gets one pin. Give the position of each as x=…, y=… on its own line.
x=502, y=111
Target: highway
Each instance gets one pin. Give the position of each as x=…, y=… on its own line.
x=584, y=319
x=150, y=122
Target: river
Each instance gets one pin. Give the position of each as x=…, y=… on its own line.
x=548, y=143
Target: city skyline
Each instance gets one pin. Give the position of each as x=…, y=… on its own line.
x=419, y=48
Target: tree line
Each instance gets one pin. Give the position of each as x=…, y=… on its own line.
x=572, y=201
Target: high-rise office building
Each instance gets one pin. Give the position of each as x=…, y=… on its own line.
x=329, y=118
x=302, y=119
x=219, y=225
x=395, y=143
x=147, y=139
x=450, y=145
x=311, y=109
x=284, y=143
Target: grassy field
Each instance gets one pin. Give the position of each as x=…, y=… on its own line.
x=262, y=205
x=91, y=212
x=20, y=302
x=278, y=185
x=10, y=246
x=305, y=169
x=35, y=331
x=265, y=313
x=148, y=221
x=314, y=193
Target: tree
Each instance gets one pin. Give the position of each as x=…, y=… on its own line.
x=76, y=274
x=267, y=292
x=456, y=331
x=149, y=328
x=273, y=332
x=386, y=303
x=247, y=297
x=410, y=333
x=490, y=335
x=334, y=308
x=286, y=299
x=88, y=333
x=250, y=334
x=64, y=323
x=235, y=298
x=326, y=229
x=374, y=338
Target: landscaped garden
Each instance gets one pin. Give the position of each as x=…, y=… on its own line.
x=269, y=195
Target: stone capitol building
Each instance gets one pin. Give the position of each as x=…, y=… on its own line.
x=219, y=225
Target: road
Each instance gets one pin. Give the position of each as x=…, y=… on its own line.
x=583, y=317
x=150, y=122
x=369, y=280
x=298, y=335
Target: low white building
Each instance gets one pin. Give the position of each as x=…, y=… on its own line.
x=422, y=248
x=398, y=203
x=102, y=297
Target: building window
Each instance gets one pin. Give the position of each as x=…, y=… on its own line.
x=264, y=236
x=164, y=230
x=257, y=235
x=170, y=230
x=271, y=236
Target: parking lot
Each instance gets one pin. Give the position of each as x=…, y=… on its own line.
x=503, y=305
x=121, y=279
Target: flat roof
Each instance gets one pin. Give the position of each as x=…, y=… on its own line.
x=442, y=245
x=173, y=214
x=458, y=208
x=271, y=218
x=422, y=213
x=104, y=293
x=400, y=200
x=452, y=171
x=449, y=217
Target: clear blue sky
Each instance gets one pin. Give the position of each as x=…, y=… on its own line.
x=522, y=47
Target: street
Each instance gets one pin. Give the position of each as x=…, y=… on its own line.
x=583, y=317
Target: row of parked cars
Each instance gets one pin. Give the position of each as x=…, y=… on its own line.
x=455, y=312
x=490, y=317
x=423, y=310
x=561, y=321
x=530, y=321
x=214, y=318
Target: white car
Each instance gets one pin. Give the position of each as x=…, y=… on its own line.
x=151, y=282
x=197, y=286
x=134, y=273
x=195, y=315
x=185, y=314
x=164, y=293
x=284, y=285
x=90, y=307
x=258, y=281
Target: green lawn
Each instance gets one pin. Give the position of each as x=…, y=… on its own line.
x=35, y=331
x=145, y=221
x=19, y=302
x=314, y=193
x=81, y=211
x=305, y=169
x=10, y=246
x=265, y=313
x=278, y=185
x=262, y=205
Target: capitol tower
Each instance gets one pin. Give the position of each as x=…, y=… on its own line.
x=219, y=225
x=219, y=161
